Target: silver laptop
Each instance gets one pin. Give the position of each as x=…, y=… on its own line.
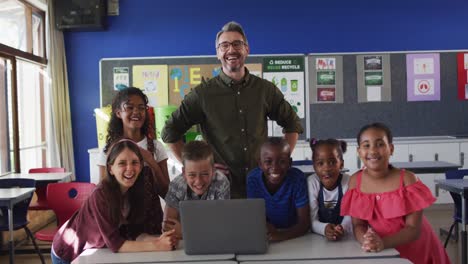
x=224, y=226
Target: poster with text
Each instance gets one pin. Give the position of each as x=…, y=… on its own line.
x=121, y=78
x=325, y=79
x=373, y=78
x=287, y=73
x=325, y=63
x=326, y=94
x=423, y=77
x=462, y=69
x=152, y=79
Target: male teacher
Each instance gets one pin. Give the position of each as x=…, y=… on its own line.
x=232, y=110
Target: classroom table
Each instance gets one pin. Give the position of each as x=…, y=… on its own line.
x=336, y=261
x=315, y=247
x=428, y=167
x=105, y=255
x=459, y=186
x=8, y=198
x=41, y=178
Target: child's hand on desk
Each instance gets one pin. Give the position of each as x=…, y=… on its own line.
x=272, y=233
x=167, y=241
x=334, y=232
x=172, y=224
x=372, y=241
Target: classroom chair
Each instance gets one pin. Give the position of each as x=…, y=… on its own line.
x=64, y=198
x=20, y=210
x=41, y=203
x=457, y=215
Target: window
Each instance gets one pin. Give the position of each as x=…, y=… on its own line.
x=5, y=117
x=23, y=81
x=13, y=24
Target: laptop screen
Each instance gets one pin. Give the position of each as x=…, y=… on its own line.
x=224, y=226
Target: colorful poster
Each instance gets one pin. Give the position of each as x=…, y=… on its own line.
x=326, y=94
x=372, y=63
x=373, y=78
x=462, y=69
x=423, y=77
x=182, y=78
x=152, y=79
x=423, y=66
x=121, y=78
x=287, y=73
x=424, y=87
x=373, y=73
x=325, y=77
x=325, y=63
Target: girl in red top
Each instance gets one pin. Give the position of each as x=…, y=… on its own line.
x=386, y=203
x=112, y=216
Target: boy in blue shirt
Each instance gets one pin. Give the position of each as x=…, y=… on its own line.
x=284, y=189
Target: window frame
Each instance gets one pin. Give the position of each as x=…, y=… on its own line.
x=13, y=55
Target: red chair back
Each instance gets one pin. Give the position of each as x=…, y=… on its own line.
x=65, y=198
x=41, y=203
x=46, y=170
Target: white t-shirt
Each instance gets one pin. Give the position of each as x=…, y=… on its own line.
x=313, y=184
x=160, y=153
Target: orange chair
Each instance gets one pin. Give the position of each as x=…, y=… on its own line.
x=64, y=198
x=41, y=203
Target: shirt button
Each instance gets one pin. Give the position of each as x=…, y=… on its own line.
x=377, y=197
x=240, y=111
x=238, y=93
x=242, y=130
x=245, y=149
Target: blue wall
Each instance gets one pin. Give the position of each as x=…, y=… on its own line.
x=187, y=27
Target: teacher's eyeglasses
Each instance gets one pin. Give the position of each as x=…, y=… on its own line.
x=236, y=44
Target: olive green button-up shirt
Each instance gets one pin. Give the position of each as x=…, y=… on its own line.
x=233, y=120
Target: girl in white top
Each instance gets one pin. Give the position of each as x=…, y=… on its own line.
x=326, y=189
x=130, y=119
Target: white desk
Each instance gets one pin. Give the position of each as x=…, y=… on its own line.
x=105, y=255
x=459, y=186
x=42, y=177
x=337, y=261
x=9, y=197
x=315, y=247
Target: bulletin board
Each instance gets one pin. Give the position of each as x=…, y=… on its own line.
x=121, y=71
x=449, y=116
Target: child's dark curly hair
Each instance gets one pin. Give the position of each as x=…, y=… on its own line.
x=115, y=129
x=339, y=145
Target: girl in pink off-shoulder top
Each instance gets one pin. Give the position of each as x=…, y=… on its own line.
x=386, y=203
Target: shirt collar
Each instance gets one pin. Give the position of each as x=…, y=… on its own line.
x=229, y=81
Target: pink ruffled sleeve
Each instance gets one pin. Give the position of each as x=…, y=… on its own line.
x=406, y=200
x=357, y=204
